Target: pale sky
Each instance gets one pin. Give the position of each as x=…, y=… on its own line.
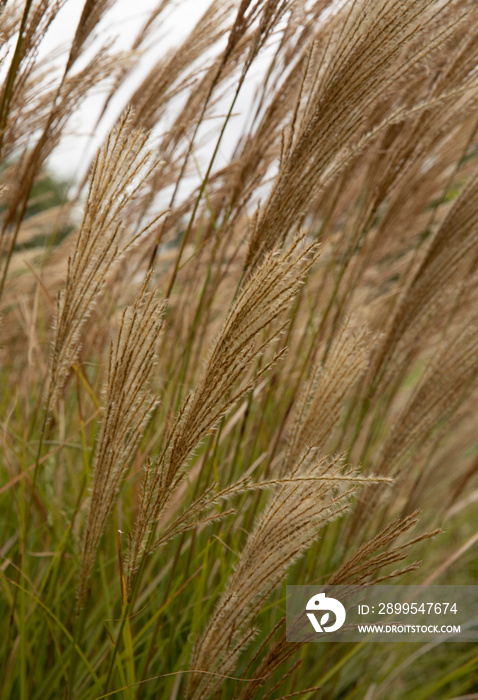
x=122, y=22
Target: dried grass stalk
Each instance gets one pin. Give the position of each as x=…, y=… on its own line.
x=360, y=568
x=318, y=492
x=120, y=168
x=320, y=406
x=451, y=373
x=367, y=48
x=127, y=405
x=267, y=294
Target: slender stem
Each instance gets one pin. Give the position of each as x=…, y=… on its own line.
x=23, y=579
x=12, y=74
x=181, y=175
x=200, y=194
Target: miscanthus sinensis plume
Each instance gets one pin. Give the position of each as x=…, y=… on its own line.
x=261, y=302
x=127, y=405
x=313, y=492
x=119, y=170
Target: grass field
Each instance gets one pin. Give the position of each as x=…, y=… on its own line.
x=221, y=375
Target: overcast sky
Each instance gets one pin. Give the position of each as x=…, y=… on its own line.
x=123, y=22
